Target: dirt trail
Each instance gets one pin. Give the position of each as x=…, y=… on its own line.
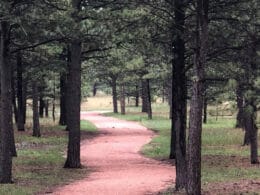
x=118, y=168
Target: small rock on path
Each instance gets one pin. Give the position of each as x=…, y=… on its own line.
x=118, y=167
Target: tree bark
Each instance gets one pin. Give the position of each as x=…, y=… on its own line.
x=240, y=105
x=24, y=99
x=179, y=96
x=205, y=108
x=14, y=98
x=36, y=121
x=122, y=99
x=46, y=108
x=73, y=98
x=136, y=96
x=194, y=141
x=63, y=81
x=144, y=96
x=6, y=107
x=114, y=94
x=94, y=89
x=149, y=101
x=251, y=130
x=20, y=93
x=42, y=105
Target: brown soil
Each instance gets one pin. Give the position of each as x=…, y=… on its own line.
x=239, y=188
x=116, y=164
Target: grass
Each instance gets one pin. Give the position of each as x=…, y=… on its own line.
x=39, y=165
x=224, y=159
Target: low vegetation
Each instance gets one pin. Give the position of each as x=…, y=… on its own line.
x=225, y=162
x=38, y=167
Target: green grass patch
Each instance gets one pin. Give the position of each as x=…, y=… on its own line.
x=87, y=126
x=39, y=165
x=219, y=139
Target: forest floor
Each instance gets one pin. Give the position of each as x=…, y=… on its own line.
x=116, y=163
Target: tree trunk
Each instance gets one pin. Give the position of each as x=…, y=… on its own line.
x=41, y=107
x=14, y=98
x=136, y=96
x=179, y=96
x=6, y=107
x=20, y=119
x=24, y=103
x=114, y=94
x=240, y=105
x=149, y=106
x=251, y=128
x=247, y=135
x=122, y=99
x=94, y=89
x=205, y=107
x=73, y=98
x=36, y=121
x=194, y=141
x=144, y=96
x=63, y=80
x=46, y=108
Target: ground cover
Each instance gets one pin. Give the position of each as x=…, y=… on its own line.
x=39, y=165
x=225, y=162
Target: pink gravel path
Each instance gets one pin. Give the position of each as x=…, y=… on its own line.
x=118, y=167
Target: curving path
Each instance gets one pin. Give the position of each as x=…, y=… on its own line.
x=118, y=168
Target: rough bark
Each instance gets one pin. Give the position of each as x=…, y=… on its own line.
x=194, y=141
x=63, y=81
x=114, y=94
x=122, y=99
x=15, y=111
x=73, y=97
x=36, y=120
x=240, y=105
x=179, y=96
x=20, y=93
x=6, y=107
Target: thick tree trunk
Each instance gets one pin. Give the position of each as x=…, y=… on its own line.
x=14, y=98
x=73, y=98
x=114, y=94
x=240, y=105
x=122, y=99
x=149, y=107
x=194, y=141
x=36, y=121
x=246, y=137
x=179, y=96
x=144, y=96
x=20, y=119
x=63, y=81
x=6, y=107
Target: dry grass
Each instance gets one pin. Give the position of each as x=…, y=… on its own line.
x=97, y=103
